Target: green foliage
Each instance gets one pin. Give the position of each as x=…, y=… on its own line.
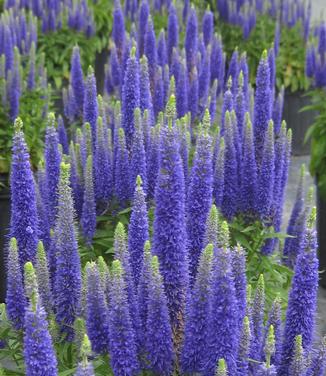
x=277, y=276
x=290, y=64
x=261, y=38
x=103, y=241
x=57, y=48
x=103, y=16
x=11, y=355
x=32, y=111
x=317, y=134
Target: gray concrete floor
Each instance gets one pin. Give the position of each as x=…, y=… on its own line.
x=294, y=174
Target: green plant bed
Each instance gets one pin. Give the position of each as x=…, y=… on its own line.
x=57, y=46
x=33, y=107
x=290, y=62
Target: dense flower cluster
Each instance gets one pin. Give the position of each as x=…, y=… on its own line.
x=175, y=298
x=54, y=15
x=18, y=36
x=315, y=58
x=244, y=13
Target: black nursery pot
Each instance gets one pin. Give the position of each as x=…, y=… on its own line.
x=298, y=121
x=321, y=230
x=4, y=226
x=100, y=61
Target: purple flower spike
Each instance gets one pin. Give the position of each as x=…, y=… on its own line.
x=293, y=229
x=300, y=315
x=138, y=231
x=130, y=96
x=8, y=48
x=272, y=67
x=230, y=192
x=122, y=170
x=208, y=26
x=240, y=280
x=52, y=168
x=162, y=57
x=67, y=291
x=39, y=354
x=118, y=29
x=318, y=364
x=212, y=227
x=122, y=254
x=159, y=343
x=142, y=26
x=14, y=87
x=228, y=103
x=222, y=340
x=104, y=171
x=298, y=363
x=146, y=102
x=184, y=135
x=153, y=162
x=204, y=79
x=263, y=105
x=88, y=218
x=158, y=97
x=278, y=111
x=77, y=80
x=248, y=172
x=275, y=319
x=193, y=95
x=150, y=51
x=123, y=354
x=96, y=311
x=62, y=135
x=218, y=185
x=76, y=177
x=244, y=347
x=169, y=223
x=196, y=324
x=322, y=41
x=199, y=196
x=115, y=69
x=24, y=222
x=43, y=278
x=173, y=32
x=258, y=307
x=142, y=294
x=310, y=61
x=15, y=298
x=138, y=155
x=191, y=39
x=181, y=91
x=277, y=37
x=90, y=104
x=85, y=368
x=233, y=71
x=266, y=175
